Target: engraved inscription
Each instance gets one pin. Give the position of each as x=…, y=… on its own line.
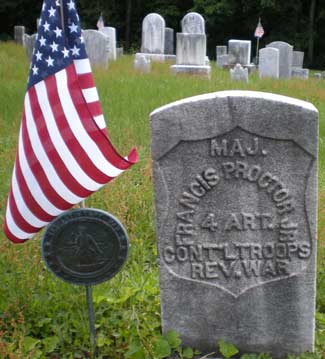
x=238, y=218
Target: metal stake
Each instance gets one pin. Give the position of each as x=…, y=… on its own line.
x=91, y=316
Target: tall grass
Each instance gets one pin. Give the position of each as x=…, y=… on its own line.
x=40, y=315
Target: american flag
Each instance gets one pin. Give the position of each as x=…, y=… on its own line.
x=259, y=31
x=100, y=22
x=64, y=154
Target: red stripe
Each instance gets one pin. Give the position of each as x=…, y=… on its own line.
x=9, y=235
x=34, y=207
x=98, y=136
x=72, y=143
x=39, y=172
x=52, y=153
x=86, y=80
x=19, y=219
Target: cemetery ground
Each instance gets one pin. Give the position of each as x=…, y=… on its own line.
x=43, y=317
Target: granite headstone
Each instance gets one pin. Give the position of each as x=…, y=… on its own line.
x=193, y=23
x=298, y=58
x=235, y=181
x=239, y=52
x=285, y=57
x=238, y=73
x=97, y=47
x=169, y=41
x=111, y=33
x=268, y=62
x=300, y=73
x=19, y=32
x=153, y=34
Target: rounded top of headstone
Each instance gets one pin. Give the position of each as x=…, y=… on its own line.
x=279, y=44
x=154, y=18
x=193, y=23
x=85, y=246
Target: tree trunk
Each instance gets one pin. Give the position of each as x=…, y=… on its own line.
x=311, y=31
x=128, y=24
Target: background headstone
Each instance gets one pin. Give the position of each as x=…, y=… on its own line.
x=19, y=32
x=191, y=49
x=29, y=43
x=317, y=75
x=235, y=180
x=221, y=51
x=239, y=52
x=268, y=62
x=111, y=33
x=300, y=73
x=169, y=41
x=298, y=58
x=193, y=23
x=285, y=57
x=153, y=34
x=97, y=47
x=142, y=64
x=223, y=60
x=238, y=73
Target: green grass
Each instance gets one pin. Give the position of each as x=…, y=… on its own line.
x=40, y=316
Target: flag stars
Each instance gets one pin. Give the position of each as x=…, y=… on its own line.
x=49, y=61
x=65, y=52
x=81, y=40
x=75, y=51
x=39, y=56
x=52, y=12
x=42, y=41
x=54, y=47
x=71, y=5
x=46, y=26
x=73, y=28
x=58, y=32
x=57, y=3
x=35, y=70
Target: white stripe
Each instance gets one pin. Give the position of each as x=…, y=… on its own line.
x=100, y=120
x=90, y=95
x=50, y=172
x=82, y=66
x=33, y=185
x=14, y=229
x=58, y=142
x=85, y=141
x=21, y=205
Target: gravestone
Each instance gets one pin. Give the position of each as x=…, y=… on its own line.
x=317, y=75
x=235, y=181
x=285, y=57
x=239, y=52
x=19, y=32
x=119, y=52
x=142, y=64
x=268, y=62
x=298, y=59
x=299, y=73
x=223, y=60
x=29, y=43
x=193, y=23
x=111, y=33
x=97, y=47
x=221, y=51
x=238, y=73
x=153, y=34
x=323, y=74
x=169, y=41
x=191, y=55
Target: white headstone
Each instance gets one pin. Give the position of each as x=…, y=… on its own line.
x=141, y=63
x=239, y=52
x=29, y=43
x=268, y=62
x=111, y=33
x=153, y=34
x=223, y=60
x=97, y=47
x=193, y=23
x=238, y=73
x=285, y=57
x=298, y=58
x=19, y=32
x=191, y=49
x=300, y=73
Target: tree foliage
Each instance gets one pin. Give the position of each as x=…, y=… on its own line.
x=298, y=22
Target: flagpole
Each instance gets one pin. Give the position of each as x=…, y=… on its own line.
x=257, y=46
x=62, y=14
